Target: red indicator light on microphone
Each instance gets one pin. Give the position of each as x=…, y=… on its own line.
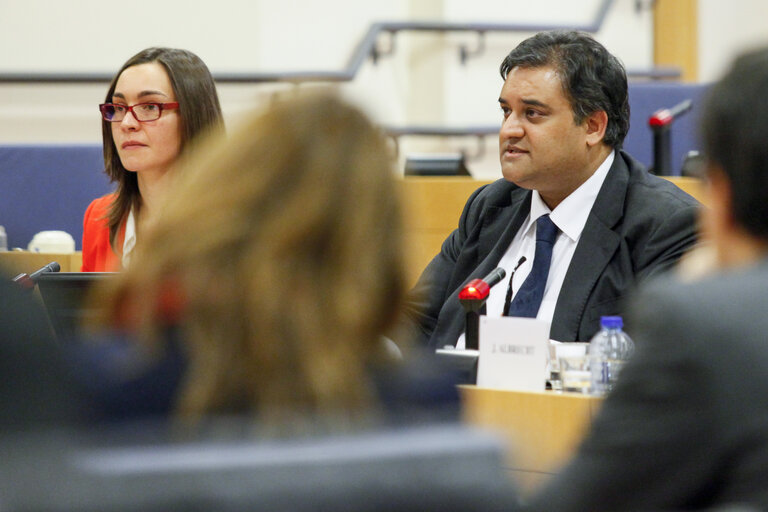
x=477, y=289
x=660, y=118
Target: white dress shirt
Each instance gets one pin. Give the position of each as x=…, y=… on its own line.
x=130, y=238
x=570, y=216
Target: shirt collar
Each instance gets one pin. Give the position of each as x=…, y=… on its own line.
x=571, y=215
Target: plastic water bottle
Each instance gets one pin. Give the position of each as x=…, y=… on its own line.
x=3, y=239
x=609, y=350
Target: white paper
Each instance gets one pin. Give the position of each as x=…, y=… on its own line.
x=513, y=353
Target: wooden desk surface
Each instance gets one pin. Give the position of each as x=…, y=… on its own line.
x=542, y=430
x=16, y=262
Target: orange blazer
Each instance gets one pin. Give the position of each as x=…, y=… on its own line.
x=98, y=255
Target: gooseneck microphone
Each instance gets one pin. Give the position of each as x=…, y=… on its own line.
x=495, y=276
x=51, y=267
x=472, y=297
x=661, y=124
x=475, y=292
x=665, y=116
x=29, y=281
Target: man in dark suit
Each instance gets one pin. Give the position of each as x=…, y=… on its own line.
x=686, y=426
x=566, y=113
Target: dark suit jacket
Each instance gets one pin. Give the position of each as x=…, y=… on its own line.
x=639, y=225
x=687, y=425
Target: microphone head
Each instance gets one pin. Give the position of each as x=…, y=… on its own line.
x=53, y=266
x=495, y=276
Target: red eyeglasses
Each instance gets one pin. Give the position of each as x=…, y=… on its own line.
x=143, y=112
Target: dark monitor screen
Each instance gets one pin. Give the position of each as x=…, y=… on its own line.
x=464, y=362
x=64, y=296
x=436, y=165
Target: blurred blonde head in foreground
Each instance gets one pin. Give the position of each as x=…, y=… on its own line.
x=278, y=260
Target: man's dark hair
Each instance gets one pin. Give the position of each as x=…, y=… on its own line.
x=734, y=129
x=591, y=77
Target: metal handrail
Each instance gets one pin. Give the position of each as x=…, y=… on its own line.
x=366, y=48
x=441, y=131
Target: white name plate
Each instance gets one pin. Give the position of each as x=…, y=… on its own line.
x=513, y=353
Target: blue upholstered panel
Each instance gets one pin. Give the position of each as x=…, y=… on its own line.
x=49, y=186
x=45, y=187
x=645, y=98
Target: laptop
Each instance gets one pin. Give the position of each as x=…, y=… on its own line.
x=64, y=297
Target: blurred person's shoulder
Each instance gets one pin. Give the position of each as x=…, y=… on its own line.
x=714, y=308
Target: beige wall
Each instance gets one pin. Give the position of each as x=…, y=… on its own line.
x=422, y=83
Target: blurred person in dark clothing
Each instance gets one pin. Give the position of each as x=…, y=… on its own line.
x=686, y=427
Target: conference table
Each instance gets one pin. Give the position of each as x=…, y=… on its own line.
x=540, y=430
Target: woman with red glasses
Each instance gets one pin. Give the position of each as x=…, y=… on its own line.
x=159, y=101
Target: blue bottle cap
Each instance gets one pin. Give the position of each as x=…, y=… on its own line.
x=611, y=322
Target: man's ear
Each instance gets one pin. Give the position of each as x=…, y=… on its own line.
x=596, y=124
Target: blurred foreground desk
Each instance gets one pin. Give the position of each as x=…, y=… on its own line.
x=542, y=429
x=16, y=262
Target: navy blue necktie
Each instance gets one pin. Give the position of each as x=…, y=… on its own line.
x=528, y=299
